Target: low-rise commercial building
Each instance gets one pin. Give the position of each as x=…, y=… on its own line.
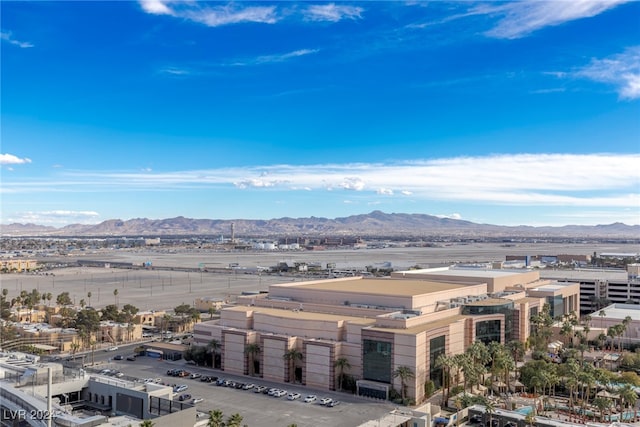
x=378, y=325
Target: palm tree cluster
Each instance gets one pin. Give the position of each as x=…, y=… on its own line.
x=216, y=419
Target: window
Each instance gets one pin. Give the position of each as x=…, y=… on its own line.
x=436, y=348
x=488, y=331
x=376, y=360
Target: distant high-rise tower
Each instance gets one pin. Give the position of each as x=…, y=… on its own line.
x=233, y=232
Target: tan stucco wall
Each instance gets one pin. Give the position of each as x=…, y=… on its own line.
x=318, y=366
x=234, y=344
x=273, y=350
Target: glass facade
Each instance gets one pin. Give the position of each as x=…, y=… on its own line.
x=488, y=331
x=376, y=360
x=436, y=348
x=505, y=308
x=557, y=306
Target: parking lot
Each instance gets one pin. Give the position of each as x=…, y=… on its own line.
x=257, y=409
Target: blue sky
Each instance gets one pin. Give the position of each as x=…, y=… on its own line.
x=493, y=112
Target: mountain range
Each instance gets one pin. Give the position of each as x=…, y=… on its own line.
x=376, y=223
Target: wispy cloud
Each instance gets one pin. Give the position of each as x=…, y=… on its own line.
x=10, y=159
x=595, y=180
x=269, y=59
x=621, y=70
x=7, y=36
x=56, y=217
x=523, y=18
x=332, y=12
x=212, y=16
x=175, y=71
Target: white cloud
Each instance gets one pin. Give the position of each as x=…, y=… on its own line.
x=211, y=16
x=450, y=216
x=385, y=191
x=603, y=181
x=332, y=12
x=156, y=7
x=352, y=183
x=10, y=159
x=620, y=70
x=8, y=37
x=522, y=18
x=56, y=217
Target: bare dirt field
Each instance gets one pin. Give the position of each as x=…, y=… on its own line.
x=162, y=289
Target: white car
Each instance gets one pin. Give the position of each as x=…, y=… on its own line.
x=325, y=401
x=293, y=396
x=180, y=388
x=197, y=400
x=280, y=393
x=195, y=375
x=114, y=348
x=310, y=398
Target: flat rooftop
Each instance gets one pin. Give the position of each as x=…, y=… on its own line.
x=584, y=275
x=620, y=311
x=464, y=272
x=303, y=315
x=387, y=287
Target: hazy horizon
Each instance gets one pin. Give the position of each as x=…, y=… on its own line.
x=506, y=113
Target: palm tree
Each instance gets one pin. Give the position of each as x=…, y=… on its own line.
x=628, y=398
x=252, y=350
x=88, y=297
x=490, y=409
x=74, y=347
x=292, y=356
x=530, y=419
x=92, y=343
x=115, y=295
x=341, y=364
x=216, y=419
x=214, y=346
x=446, y=363
x=602, y=315
x=212, y=311
x=234, y=420
x=625, y=324
x=404, y=373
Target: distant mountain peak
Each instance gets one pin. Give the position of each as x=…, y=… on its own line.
x=375, y=223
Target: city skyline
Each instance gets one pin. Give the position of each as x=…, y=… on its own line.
x=501, y=113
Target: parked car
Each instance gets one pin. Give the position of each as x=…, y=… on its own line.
x=333, y=403
x=180, y=388
x=259, y=389
x=114, y=348
x=197, y=400
x=195, y=375
x=118, y=374
x=280, y=393
x=293, y=396
x=132, y=358
x=183, y=397
x=310, y=398
x=248, y=386
x=118, y=357
x=325, y=401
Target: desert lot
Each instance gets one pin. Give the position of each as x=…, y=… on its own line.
x=162, y=289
